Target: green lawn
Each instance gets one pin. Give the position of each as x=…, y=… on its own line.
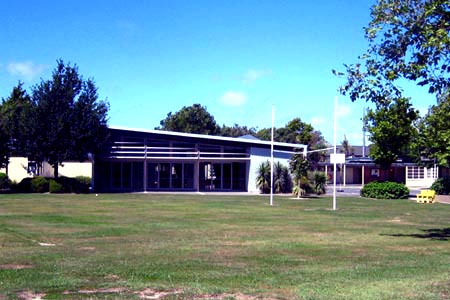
x=128, y=246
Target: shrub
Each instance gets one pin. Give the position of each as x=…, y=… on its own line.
x=5, y=183
x=320, y=182
x=55, y=187
x=24, y=186
x=385, y=190
x=39, y=185
x=82, y=184
x=441, y=186
x=67, y=184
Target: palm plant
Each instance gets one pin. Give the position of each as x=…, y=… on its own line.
x=263, y=177
x=320, y=182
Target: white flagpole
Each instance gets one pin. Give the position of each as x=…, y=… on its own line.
x=334, y=163
x=271, y=157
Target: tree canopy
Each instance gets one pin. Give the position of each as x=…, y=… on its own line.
x=70, y=120
x=391, y=131
x=16, y=123
x=407, y=39
x=191, y=119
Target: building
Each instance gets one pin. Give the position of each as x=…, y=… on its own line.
x=138, y=160
x=360, y=169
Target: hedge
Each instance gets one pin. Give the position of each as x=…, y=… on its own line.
x=441, y=186
x=5, y=183
x=385, y=190
x=38, y=184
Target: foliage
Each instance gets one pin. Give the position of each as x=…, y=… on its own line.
x=320, y=182
x=391, y=131
x=299, y=166
x=407, y=39
x=237, y=131
x=385, y=190
x=441, y=186
x=5, y=183
x=281, y=178
x=55, y=187
x=70, y=120
x=82, y=184
x=191, y=119
x=39, y=184
x=433, y=140
x=16, y=124
x=263, y=177
x=296, y=131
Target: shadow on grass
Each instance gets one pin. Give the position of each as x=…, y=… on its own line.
x=431, y=234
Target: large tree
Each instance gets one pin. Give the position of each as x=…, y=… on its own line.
x=391, y=131
x=191, y=119
x=408, y=39
x=70, y=120
x=432, y=144
x=237, y=131
x=17, y=122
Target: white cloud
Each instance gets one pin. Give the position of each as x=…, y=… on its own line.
x=317, y=121
x=343, y=110
x=231, y=98
x=28, y=70
x=252, y=75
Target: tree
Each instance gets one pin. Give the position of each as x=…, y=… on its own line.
x=296, y=131
x=391, y=130
x=17, y=122
x=4, y=149
x=407, y=39
x=191, y=119
x=433, y=141
x=70, y=120
x=237, y=131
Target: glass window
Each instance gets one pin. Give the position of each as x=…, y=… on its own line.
x=177, y=176
x=164, y=176
x=188, y=176
x=416, y=172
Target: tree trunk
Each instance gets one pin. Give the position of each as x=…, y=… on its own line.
x=55, y=170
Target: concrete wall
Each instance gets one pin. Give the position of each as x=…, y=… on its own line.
x=68, y=169
x=259, y=156
x=17, y=169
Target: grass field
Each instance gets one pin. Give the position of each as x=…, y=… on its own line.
x=136, y=246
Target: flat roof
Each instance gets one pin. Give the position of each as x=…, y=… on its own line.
x=210, y=137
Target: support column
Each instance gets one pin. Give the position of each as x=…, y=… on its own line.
x=145, y=166
x=345, y=174
x=362, y=177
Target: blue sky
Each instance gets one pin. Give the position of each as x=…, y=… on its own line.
x=237, y=58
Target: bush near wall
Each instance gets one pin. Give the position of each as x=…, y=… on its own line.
x=38, y=184
x=441, y=186
x=5, y=183
x=55, y=187
x=385, y=190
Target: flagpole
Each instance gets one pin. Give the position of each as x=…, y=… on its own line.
x=271, y=156
x=334, y=147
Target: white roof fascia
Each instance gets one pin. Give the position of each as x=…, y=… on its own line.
x=210, y=137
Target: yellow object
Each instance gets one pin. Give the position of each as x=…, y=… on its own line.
x=426, y=196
